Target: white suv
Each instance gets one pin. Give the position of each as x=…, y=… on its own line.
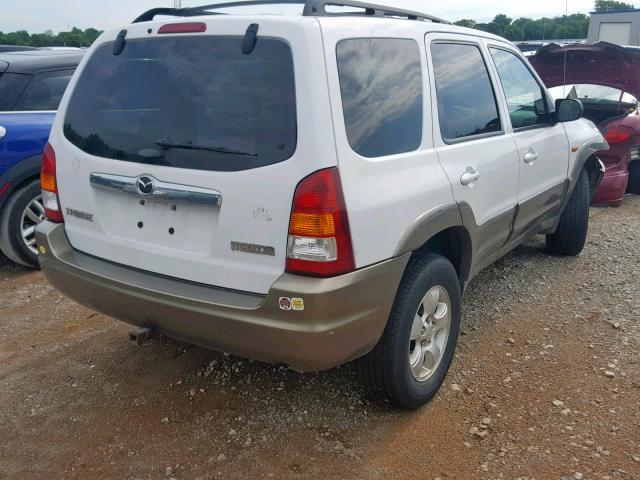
x=307, y=189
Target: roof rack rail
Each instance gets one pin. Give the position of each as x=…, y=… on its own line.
x=312, y=8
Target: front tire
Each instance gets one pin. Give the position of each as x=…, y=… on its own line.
x=18, y=219
x=412, y=358
x=571, y=235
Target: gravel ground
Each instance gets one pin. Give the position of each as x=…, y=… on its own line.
x=545, y=385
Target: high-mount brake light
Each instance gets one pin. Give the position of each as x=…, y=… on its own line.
x=319, y=241
x=617, y=134
x=49, y=186
x=188, y=27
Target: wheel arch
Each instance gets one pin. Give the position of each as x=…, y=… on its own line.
x=441, y=230
x=17, y=176
x=453, y=243
x=587, y=159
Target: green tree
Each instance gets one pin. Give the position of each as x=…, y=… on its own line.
x=611, y=5
x=572, y=27
x=74, y=38
x=500, y=25
x=465, y=22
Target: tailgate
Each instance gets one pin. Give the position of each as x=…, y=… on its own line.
x=180, y=155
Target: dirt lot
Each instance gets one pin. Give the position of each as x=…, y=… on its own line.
x=548, y=366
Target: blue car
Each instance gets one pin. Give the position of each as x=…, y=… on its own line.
x=31, y=86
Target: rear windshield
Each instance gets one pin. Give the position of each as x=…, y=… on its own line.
x=188, y=102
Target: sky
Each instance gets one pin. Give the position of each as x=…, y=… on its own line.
x=36, y=16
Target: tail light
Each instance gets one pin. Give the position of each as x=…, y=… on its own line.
x=49, y=186
x=319, y=241
x=617, y=134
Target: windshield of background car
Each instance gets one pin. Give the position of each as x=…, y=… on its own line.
x=592, y=92
x=189, y=102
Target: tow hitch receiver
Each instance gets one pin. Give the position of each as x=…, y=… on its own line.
x=140, y=335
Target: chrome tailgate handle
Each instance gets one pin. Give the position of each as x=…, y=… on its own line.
x=3, y=132
x=147, y=186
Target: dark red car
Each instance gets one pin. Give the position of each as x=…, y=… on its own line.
x=606, y=78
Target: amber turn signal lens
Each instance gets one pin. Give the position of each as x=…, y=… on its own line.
x=48, y=181
x=312, y=225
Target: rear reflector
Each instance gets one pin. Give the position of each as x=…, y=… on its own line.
x=49, y=186
x=319, y=241
x=4, y=189
x=189, y=27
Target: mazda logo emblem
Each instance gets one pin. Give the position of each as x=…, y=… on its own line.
x=144, y=185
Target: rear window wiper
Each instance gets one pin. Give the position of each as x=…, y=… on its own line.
x=167, y=143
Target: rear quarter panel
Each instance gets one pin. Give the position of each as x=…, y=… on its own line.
x=385, y=196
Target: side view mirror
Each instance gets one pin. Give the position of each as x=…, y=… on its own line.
x=569, y=109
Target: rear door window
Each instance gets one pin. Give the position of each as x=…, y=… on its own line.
x=44, y=91
x=381, y=88
x=187, y=102
x=467, y=105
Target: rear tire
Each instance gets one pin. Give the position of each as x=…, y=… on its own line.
x=12, y=221
x=571, y=235
x=399, y=369
x=634, y=177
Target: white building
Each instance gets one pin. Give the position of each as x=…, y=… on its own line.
x=621, y=27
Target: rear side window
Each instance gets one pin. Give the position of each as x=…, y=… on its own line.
x=11, y=86
x=526, y=101
x=44, y=91
x=466, y=101
x=381, y=88
x=187, y=102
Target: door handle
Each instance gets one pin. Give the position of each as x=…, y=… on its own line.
x=530, y=157
x=469, y=177
x=3, y=132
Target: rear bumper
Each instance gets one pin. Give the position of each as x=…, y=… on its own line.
x=612, y=188
x=343, y=317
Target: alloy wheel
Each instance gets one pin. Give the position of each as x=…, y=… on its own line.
x=429, y=333
x=32, y=215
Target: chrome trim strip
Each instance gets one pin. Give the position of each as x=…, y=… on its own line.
x=161, y=190
x=113, y=182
